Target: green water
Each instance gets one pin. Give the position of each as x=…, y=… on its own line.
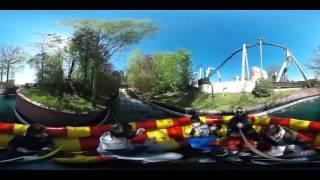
x=309, y=110
x=6, y=109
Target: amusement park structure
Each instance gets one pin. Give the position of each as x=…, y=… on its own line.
x=247, y=81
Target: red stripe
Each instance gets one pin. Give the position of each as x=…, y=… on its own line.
x=175, y=132
x=309, y=137
x=57, y=131
x=140, y=139
x=89, y=143
x=6, y=127
x=99, y=130
x=214, y=120
x=148, y=125
x=314, y=126
x=181, y=121
x=280, y=121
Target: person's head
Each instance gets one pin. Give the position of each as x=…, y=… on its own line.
x=195, y=122
x=119, y=130
x=275, y=132
x=239, y=110
x=37, y=130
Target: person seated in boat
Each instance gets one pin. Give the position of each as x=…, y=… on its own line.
x=116, y=142
x=33, y=140
x=240, y=121
x=279, y=140
x=203, y=136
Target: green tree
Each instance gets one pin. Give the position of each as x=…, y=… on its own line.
x=49, y=60
x=315, y=62
x=10, y=56
x=109, y=37
x=171, y=71
x=263, y=88
x=139, y=72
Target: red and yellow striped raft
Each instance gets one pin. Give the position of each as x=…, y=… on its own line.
x=172, y=132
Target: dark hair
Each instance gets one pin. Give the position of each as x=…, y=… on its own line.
x=35, y=129
x=195, y=117
x=119, y=130
x=273, y=129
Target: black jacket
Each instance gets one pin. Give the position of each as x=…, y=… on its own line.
x=31, y=143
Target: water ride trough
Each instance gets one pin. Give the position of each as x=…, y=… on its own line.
x=173, y=133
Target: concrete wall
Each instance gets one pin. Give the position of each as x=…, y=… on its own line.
x=37, y=112
x=229, y=87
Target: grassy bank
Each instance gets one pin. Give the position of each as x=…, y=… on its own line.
x=68, y=103
x=229, y=101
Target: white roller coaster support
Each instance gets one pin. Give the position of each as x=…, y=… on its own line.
x=300, y=69
x=260, y=44
x=286, y=64
x=247, y=68
x=244, y=52
x=245, y=65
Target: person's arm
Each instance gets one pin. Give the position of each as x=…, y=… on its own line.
x=16, y=144
x=192, y=132
x=49, y=144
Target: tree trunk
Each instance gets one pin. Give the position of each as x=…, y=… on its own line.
x=8, y=68
x=94, y=83
x=1, y=75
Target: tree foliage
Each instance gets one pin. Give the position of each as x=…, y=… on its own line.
x=161, y=72
x=81, y=65
x=10, y=55
x=315, y=62
x=263, y=88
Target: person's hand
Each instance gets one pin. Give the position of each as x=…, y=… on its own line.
x=213, y=128
x=23, y=150
x=140, y=131
x=240, y=125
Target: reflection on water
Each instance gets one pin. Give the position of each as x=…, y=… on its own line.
x=309, y=110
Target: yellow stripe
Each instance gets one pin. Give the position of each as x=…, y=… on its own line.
x=4, y=140
x=20, y=128
x=203, y=119
x=296, y=124
x=259, y=120
x=69, y=144
x=223, y=130
x=186, y=130
x=77, y=159
x=133, y=126
x=159, y=135
x=74, y=132
x=226, y=119
x=257, y=128
x=164, y=123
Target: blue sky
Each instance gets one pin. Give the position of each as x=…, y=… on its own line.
x=210, y=35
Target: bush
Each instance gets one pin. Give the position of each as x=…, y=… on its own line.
x=263, y=88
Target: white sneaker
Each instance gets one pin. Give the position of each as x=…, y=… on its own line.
x=244, y=154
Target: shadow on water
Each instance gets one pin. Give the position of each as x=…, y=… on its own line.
x=126, y=109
